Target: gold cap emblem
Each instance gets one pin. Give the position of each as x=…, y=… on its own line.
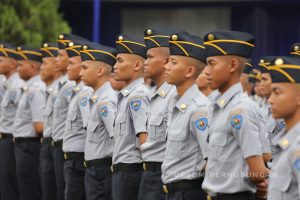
x=210, y=37
x=278, y=61
x=149, y=32
x=1, y=45
x=71, y=44
x=296, y=48
x=84, y=47
x=61, y=37
x=174, y=37
x=19, y=48
x=120, y=38
x=45, y=45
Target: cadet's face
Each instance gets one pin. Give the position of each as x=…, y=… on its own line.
x=124, y=67
x=5, y=65
x=175, y=70
x=266, y=83
x=48, y=67
x=154, y=65
x=24, y=69
x=62, y=61
x=74, y=68
x=89, y=73
x=218, y=71
x=284, y=100
x=202, y=79
x=116, y=85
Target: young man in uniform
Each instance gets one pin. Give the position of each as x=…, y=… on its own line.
x=50, y=76
x=8, y=68
x=153, y=150
x=97, y=64
x=29, y=124
x=235, y=164
x=131, y=117
x=184, y=163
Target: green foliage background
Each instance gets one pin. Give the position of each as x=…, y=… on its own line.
x=31, y=22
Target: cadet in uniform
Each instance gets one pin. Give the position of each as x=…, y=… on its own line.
x=188, y=118
x=285, y=174
x=235, y=162
x=60, y=110
x=28, y=123
x=9, y=104
x=153, y=150
x=97, y=64
x=131, y=116
x=50, y=76
x=273, y=126
x=75, y=128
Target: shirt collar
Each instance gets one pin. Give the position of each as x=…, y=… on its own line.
x=224, y=98
x=185, y=100
x=285, y=139
x=131, y=87
x=77, y=88
x=162, y=91
x=100, y=91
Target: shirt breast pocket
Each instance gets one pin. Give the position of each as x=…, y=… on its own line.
x=72, y=115
x=217, y=146
x=175, y=144
x=158, y=126
x=120, y=125
x=92, y=130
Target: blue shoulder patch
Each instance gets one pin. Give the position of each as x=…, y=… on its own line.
x=297, y=164
x=83, y=101
x=201, y=124
x=103, y=111
x=135, y=104
x=236, y=121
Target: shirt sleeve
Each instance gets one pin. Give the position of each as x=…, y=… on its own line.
x=84, y=108
x=138, y=108
x=199, y=127
x=245, y=128
x=36, y=99
x=294, y=163
x=263, y=134
x=106, y=112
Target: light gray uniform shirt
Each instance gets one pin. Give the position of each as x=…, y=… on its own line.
x=60, y=107
x=30, y=108
x=51, y=94
x=10, y=102
x=131, y=118
x=187, y=131
x=77, y=119
x=99, y=143
x=153, y=150
x=284, y=181
x=234, y=136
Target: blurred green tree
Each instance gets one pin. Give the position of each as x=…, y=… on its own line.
x=31, y=22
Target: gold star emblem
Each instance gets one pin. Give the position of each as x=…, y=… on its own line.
x=222, y=102
x=77, y=89
x=210, y=37
x=278, y=61
x=94, y=98
x=162, y=93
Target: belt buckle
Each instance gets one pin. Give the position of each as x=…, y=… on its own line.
x=165, y=188
x=85, y=165
x=112, y=168
x=65, y=156
x=1, y=136
x=144, y=166
x=14, y=140
x=52, y=143
x=208, y=197
x=42, y=140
